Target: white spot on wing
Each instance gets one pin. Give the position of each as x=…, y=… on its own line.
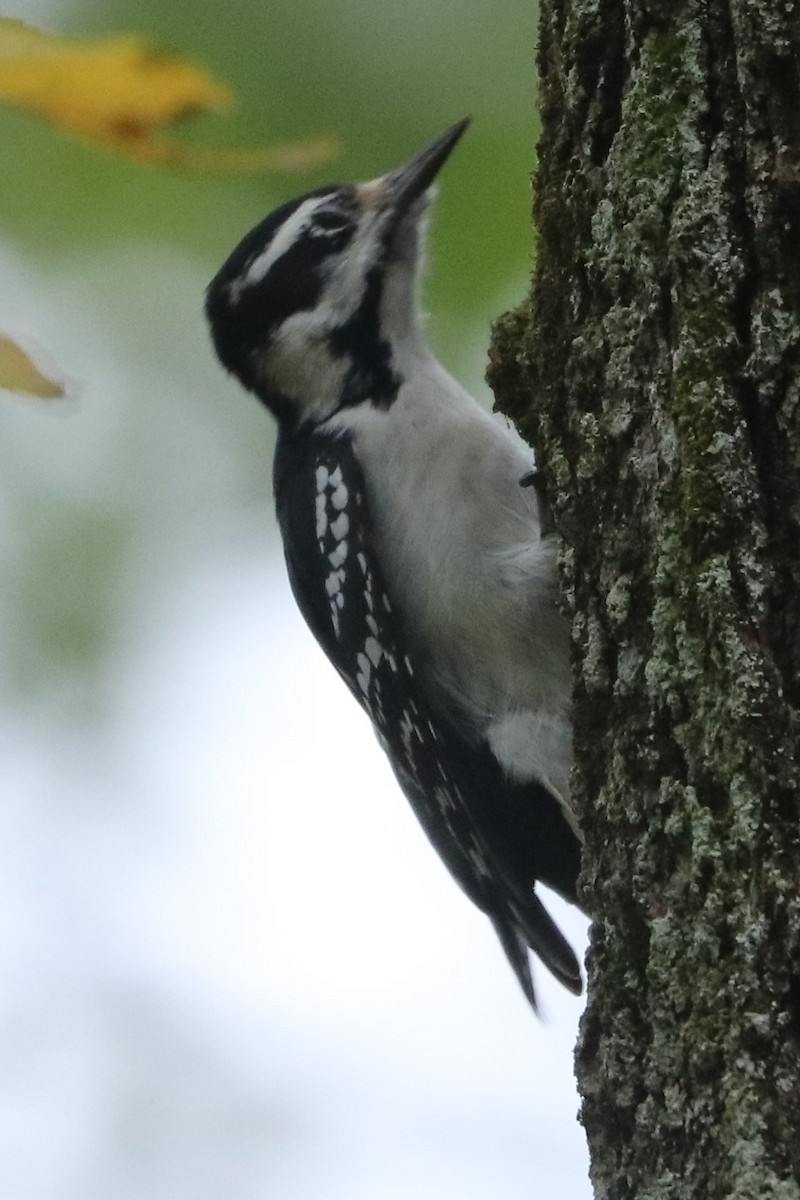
x=373, y=651
x=334, y=582
x=364, y=672
x=339, y=497
x=341, y=526
x=337, y=556
x=408, y=730
x=322, y=517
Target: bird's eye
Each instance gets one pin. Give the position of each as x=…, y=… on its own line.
x=330, y=220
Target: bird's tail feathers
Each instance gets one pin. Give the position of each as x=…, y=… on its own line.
x=534, y=928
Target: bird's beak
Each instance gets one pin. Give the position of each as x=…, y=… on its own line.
x=401, y=187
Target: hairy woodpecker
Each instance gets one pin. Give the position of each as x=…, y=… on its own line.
x=417, y=556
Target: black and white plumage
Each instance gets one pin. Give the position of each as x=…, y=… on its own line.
x=414, y=551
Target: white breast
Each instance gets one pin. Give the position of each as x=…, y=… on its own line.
x=466, y=568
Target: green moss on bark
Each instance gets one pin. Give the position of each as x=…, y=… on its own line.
x=656, y=371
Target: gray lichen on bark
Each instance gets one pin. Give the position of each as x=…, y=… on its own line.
x=656, y=371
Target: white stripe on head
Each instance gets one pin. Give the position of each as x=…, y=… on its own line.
x=290, y=232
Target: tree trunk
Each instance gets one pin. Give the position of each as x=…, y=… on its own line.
x=657, y=373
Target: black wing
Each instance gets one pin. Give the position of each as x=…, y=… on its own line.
x=496, y=839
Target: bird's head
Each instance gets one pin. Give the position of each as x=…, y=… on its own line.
x=313, y=307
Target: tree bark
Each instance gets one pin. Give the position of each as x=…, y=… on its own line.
x=656, y=371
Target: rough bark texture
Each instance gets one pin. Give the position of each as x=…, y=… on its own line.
x=657, y=374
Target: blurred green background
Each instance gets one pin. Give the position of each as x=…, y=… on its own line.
x=232, y=966
x=119, y=253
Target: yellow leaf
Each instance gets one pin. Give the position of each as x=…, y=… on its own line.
x=104, y=88
x=120, y=91
x=19, y=373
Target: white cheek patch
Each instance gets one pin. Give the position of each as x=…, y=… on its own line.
x=299, y=364
x=299, y=360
